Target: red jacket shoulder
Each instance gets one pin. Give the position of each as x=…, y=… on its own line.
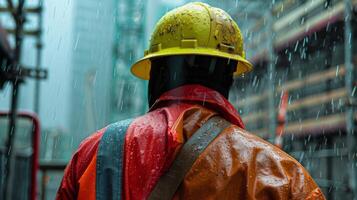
x=78, y=164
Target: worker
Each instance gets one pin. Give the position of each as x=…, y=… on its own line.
x=192, y=143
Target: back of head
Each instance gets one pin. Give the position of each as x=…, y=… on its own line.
x=193, y=44
x=174, y=71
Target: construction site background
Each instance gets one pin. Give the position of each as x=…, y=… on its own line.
x=300, y=96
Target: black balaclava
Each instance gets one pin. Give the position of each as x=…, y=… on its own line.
x=173, y=71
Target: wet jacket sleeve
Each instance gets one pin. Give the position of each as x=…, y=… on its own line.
x=239, y=165
x=69, y=185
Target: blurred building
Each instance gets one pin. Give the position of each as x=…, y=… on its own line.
x=128, y=94
x=304, y=53
x=108, y=38
x=91, y=66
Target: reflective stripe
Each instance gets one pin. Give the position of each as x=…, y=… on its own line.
x=109, y=165
x=171, y=180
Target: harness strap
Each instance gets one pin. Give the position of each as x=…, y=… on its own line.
x=109, y=165
x=169, y=182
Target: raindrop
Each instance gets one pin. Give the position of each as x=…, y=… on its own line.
x=337, y=70
x=354, y=91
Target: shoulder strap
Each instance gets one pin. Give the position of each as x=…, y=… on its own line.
x=169, y=182
x=110, y=161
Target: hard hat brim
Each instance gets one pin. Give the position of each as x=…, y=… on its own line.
x=141, y=68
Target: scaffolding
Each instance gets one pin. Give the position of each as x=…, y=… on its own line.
x=15, y=73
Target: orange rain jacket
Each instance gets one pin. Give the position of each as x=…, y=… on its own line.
x=236, y=165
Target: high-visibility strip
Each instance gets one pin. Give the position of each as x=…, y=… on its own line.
x=171, y=180
x=109, y=165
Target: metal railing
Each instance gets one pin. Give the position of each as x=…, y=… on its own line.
x=26, y=160
x=45, y=168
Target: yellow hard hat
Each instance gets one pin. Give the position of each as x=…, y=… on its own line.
x=194, y=29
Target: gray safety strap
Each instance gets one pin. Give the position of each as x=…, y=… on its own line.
x=109, y=164
x=171, y=180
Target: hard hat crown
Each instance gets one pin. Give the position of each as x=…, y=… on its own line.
x=194, y=29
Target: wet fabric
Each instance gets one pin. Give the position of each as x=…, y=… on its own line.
x=236, y=165
x=110, y=161
x=171, y=180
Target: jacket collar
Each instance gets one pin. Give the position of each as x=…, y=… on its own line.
x=204, y=96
